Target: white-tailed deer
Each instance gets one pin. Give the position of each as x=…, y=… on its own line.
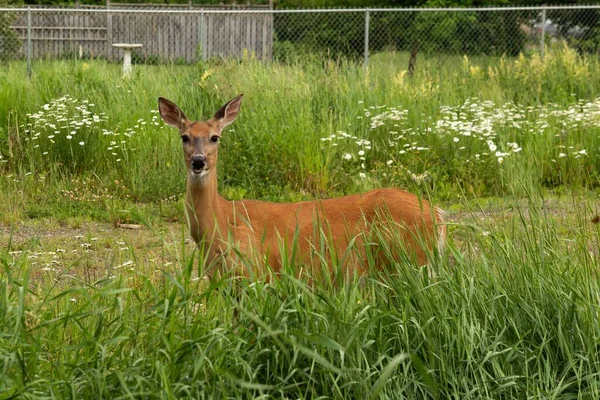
x=262, y=227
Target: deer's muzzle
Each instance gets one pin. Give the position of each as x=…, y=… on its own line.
x=198, y=162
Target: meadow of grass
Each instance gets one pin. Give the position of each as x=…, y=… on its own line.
x=508, y=146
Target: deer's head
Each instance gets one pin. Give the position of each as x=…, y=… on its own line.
x=200, y=139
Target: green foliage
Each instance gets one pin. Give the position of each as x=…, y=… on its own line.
x=278, y=147
x=10, y=44
x=439, y=33
x=512, y=313
x=322, y=31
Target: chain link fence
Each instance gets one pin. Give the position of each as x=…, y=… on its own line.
x=190, y=34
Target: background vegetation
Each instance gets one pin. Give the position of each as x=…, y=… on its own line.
x=78, y=117
x=471, y=33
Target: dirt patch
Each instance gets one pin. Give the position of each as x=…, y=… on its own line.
x=94, y=250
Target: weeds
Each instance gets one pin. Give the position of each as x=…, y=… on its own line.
x=514, y=316
x=443, y=125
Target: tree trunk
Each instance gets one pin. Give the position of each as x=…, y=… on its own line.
x=413, y=59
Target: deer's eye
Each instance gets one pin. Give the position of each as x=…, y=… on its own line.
x=185, y=138
x=214, y=138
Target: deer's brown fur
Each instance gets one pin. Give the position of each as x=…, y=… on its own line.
x=262, y=227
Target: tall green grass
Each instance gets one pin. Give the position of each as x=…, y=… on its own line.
x=274, y=149
x=512, y=313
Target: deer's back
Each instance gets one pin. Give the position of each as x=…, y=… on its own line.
x=403, y=214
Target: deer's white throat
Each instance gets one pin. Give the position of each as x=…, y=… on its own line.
x=201, y=178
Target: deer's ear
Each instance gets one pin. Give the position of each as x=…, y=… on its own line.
x=171, y=114
x=226, y=114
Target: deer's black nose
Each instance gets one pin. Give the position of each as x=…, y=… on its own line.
x=198, y=161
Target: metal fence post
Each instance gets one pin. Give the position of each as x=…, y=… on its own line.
x=29, y=42
x=109, y=32
x=543, y=38
x=203, y=43
x=366, y=37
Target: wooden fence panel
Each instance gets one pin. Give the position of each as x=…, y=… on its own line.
x=164, y=36
x=232, y=35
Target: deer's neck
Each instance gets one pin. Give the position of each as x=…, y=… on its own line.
x=205, y=208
